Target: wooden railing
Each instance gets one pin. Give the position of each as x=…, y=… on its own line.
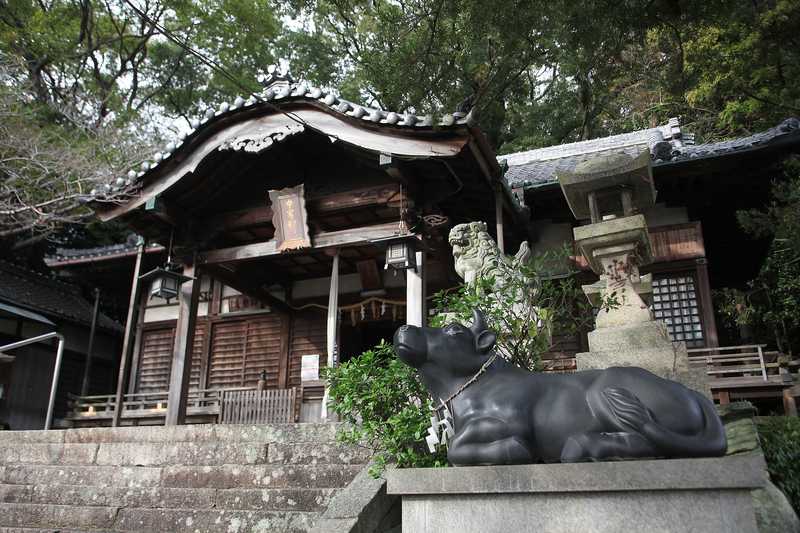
x=747, y=361
x=201, y=403
x=257, y=407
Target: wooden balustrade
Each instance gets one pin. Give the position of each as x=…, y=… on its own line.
x=243, y=406
x=745, y=372
x=747, y=361
x=257, y=407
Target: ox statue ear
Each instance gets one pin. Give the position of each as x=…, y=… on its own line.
x=484, y=342
x=478, y=322
x=484, y=339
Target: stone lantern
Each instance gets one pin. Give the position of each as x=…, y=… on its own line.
x=611, y=191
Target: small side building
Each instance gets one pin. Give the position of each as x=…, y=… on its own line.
x=696, y=240
x=33, y=304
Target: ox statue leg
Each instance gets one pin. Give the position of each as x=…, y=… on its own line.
x=603, y=446
x=487, y=441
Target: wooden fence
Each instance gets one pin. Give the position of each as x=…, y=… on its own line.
x=231, y=406
x=734, y=361
x=257, y=407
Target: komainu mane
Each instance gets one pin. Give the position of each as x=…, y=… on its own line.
x=477, y=256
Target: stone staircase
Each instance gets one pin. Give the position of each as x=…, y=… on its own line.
x=193, y=479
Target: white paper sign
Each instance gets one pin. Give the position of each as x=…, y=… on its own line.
x=309, y=367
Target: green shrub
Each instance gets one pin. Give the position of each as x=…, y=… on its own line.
x=780, y=439
x=385, y=407
x=537, y=302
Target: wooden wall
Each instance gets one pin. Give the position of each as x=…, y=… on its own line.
x=308, y=337
x=232, y=351
x=241, y=349
x=677, y=242
x=561, y=356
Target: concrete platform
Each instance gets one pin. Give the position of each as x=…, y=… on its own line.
x=679, y=495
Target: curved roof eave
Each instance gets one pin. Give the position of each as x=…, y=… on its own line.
x=235, y=127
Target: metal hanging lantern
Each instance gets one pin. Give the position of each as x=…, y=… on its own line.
x=401, y=250
x=166, y=281
x=401, y=254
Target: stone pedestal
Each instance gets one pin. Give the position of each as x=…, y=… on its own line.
x=679, y=495
x=614, y=249
x=646, y=345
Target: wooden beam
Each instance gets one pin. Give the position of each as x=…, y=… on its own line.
x=258, y=215
x=476, y=153
x=128, y=339
x=348, y=237
x=241, y=218
x=163, y=210
x=369, y=274
x=388, y=193
x=177, y=398
x=245, y=285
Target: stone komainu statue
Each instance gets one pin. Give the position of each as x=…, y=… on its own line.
x=477, y=256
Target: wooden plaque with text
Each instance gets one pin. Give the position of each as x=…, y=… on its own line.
x=290, y=218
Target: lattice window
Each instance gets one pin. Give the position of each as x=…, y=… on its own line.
x=675, y=302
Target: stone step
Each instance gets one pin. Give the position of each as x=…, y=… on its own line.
x=228, y=476
x=182, y=453
x=134, y=519
x=286, y=499
x=218, y=476
x=213, y=521
x=312, y=453
x=43, y=530
x=57, y=516
x=265, y=433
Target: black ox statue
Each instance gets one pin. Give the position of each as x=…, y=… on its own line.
x=502, y=414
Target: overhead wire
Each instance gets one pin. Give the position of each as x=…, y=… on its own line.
x=213, y=64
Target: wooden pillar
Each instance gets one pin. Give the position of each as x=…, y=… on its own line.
x=724, y=397
x=332, y=328
x=215, y=305
x=136, y=354
x=789, y=403
x=498, y=217
x=87, y=370
x=706, y=303
x=415, y=293
x=188, y=297
x=127, y=340
x=287, y=322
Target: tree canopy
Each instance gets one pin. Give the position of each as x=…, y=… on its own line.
x=535, y=73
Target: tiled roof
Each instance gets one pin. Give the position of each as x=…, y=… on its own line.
x=64, y=256
x=667, y=144
x=279, y=89
x=786, y=131
x=56, y=299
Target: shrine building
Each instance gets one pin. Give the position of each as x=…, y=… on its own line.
x=301, y=229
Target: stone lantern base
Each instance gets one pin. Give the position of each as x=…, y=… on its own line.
x=645, y=345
